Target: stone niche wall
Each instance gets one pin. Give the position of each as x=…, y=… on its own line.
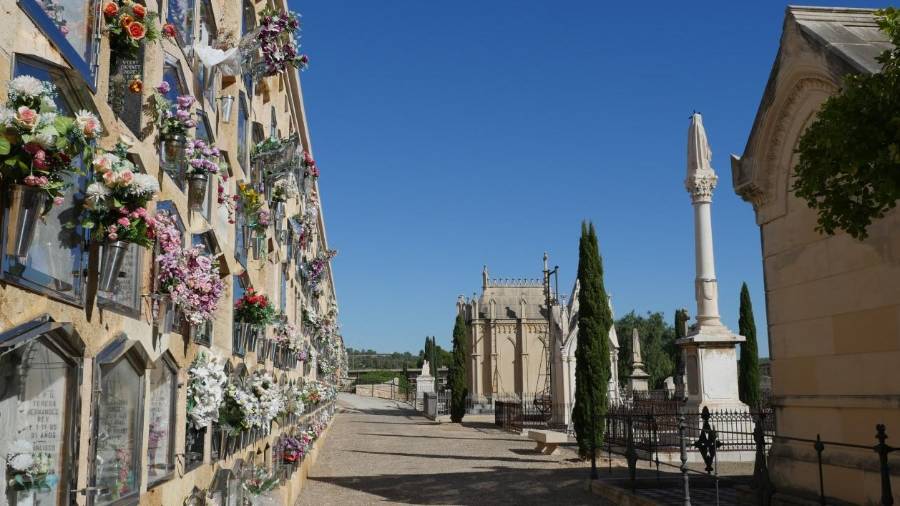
x=97, y=326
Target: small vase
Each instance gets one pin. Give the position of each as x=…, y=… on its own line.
x=163, y=309
x=172, y=155
x=197, y=183
x=24, y=205
x=110, y=264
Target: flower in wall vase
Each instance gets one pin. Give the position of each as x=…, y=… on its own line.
x=112, y=257
x=25, y=204
x=197, y=182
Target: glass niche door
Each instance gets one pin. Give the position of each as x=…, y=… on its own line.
x=119, y=408
x=36, y=396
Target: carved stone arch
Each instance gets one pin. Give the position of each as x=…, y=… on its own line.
x=800, y=99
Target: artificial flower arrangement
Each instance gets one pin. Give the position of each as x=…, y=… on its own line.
x=190, y=277
x=284, y=189
x=278, y=34
x=255, y=309
x=293, y=400
x=225, y=199
x=240, y=409
x=115, y=204
x=203, y=159
x=27, y=470
x=259, y=482
x=206, y=389
x=257, y=217
x=172, y=120
x=313, y=269
x=38, y=145
x=129, y=25
x=285, y=333
x=290, y=448
x=266, y=148
x=268, y=396
x=251, y=404
x=310, y=169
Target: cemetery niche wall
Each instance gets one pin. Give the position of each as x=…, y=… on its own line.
x=98, y=359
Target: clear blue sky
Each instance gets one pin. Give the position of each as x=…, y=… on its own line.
x=456, y=134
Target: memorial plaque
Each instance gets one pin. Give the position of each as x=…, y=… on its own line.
x=117, y=436
x=34, y=383
x=162, y=408
x=125, y=100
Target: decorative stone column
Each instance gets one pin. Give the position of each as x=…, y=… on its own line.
x=709, y=349
x=638, y=380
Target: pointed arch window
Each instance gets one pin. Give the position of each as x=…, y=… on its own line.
x=40, y=368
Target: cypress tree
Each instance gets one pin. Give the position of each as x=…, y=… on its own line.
x=748, y=368
x=592, y=350
x=458, y=389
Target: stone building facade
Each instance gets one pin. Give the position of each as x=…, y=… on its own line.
x=80, y=340
x=508, y=344
x=833, y=302
x=507, y=352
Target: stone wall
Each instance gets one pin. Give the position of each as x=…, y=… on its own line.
x=275, y=100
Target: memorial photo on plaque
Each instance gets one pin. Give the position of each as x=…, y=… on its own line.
x=35, y=385
x=118, y=422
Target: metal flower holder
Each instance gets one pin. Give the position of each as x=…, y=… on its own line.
x=172, y=155
x=113, y=256
x=24, y=206
x=197, y=187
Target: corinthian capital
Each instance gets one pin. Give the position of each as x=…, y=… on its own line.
x=701, y=185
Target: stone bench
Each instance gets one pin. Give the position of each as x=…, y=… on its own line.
x=547, y=440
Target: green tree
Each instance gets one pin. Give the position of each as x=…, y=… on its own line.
x=748, y=367
x=657, y=346
x=848, y=168
x=457, y=381
x=592, y=350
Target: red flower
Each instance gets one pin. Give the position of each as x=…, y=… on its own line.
x=110, y=9
x=168, y=30
x=139, y=10
x=136, y=30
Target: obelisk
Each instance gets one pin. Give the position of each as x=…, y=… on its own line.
x=709, y=349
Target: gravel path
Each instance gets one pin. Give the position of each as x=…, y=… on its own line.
x=381, y=452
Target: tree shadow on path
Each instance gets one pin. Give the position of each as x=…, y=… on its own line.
x=493, y=485
x=455, y=457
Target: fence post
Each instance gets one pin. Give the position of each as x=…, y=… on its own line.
x=820, y=447
x=761, y=467
x=684, y=468
x=630, y=453
x=887, y=497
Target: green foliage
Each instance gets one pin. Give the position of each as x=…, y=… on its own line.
x=748, y=367
x=592, y=350
x=658, y=349
x=849, y=158
x=371, y=359
x=457, y=381
x=375, y=377
x=437, y=357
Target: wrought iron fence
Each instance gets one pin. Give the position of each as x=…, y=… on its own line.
x=516, y=414
x=642, y=434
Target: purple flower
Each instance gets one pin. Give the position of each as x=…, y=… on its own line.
x=185, y=101
x=163, y=87
x=182, y=115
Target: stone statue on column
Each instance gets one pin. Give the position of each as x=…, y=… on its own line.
x=709, y=350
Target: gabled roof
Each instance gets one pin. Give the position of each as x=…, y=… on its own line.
x=850, y=34
x=818, y=47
